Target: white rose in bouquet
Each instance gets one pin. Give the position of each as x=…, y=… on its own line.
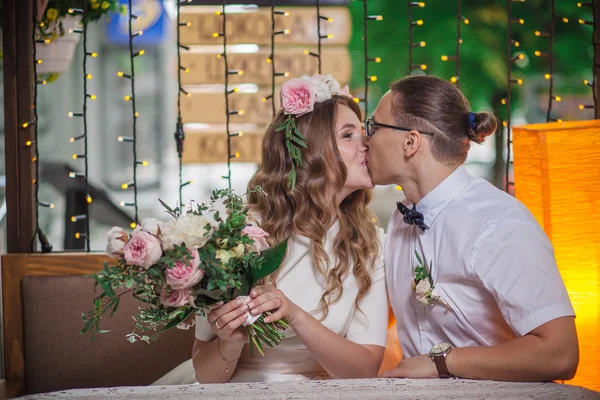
x=117, y=239
x=189, y=229
x=150, y=225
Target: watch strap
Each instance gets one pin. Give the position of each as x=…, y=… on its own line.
x=440, y=364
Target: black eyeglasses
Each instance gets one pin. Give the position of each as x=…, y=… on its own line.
x=372, y=124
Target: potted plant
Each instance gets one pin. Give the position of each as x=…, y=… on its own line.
x=56, y=40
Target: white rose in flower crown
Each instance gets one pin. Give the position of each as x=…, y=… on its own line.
x=320, y=88
x=423, y=287
x=333, y=85
x=189, y=229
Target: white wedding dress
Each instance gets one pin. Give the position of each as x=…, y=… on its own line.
x=300, y=281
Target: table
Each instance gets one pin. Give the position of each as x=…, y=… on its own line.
x=336, y=389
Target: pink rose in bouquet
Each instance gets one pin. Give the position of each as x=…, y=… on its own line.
x=176, y=298
x=259, y=236
x=185, y=274
x=117, y=239
x=297, y=97
x=142, y=250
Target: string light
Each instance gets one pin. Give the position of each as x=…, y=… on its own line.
x=595, y=67
x=80, y=217
x=228, y=112
x=46, y=247
x=132, y=98
x=550, y=35
x=367, y=59
x=411, y=45
x=460, y=19
x=187, y=183
x=271, y=58
x=86, y=95
x=319, y=36
x=510, y=60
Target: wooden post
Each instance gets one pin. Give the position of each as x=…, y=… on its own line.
x=18, y=109
x=596, y=67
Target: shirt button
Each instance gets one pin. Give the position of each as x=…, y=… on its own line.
x=423, y=327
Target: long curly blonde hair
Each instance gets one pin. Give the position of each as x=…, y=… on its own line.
x=306, y=210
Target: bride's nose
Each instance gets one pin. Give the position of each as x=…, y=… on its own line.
x=363, y=148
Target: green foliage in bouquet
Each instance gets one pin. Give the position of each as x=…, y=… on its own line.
x=219, y=261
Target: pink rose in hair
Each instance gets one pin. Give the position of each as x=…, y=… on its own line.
x=117, y=239
x=185, y=274
x=297, y=97
x=176, y=298
x=258, y=235
x=143, y=250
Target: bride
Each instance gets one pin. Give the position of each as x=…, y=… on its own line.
x=331, y=285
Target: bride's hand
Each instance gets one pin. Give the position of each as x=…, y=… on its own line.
x=226, y=320
x=269, y=298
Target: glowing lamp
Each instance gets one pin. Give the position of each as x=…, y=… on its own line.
x=558, y=179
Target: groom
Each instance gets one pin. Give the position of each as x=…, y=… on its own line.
x=498, y=308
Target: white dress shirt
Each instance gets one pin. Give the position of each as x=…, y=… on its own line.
x=491, y=262
x=301, y=282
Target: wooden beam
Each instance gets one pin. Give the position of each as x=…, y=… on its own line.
x=211, y=147
x=207, y=68
x=14, y=268
x=18, y=101
x=255, y=27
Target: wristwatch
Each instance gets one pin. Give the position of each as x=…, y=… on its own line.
x=438, y=355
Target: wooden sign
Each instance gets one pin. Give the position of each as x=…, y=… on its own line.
x=211, y=147
x=208, y=69
x=209, y=108
x=255, y=27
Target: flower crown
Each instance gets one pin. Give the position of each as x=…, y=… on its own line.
x=298, y=97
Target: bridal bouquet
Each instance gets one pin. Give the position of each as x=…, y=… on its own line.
x=180, y=267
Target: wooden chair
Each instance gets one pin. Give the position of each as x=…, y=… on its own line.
x=44, y=296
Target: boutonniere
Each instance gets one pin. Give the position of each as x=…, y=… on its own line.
x=422, y=284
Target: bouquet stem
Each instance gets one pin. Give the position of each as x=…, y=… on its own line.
x=261, y=333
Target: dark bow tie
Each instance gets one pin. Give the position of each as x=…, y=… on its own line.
x=412, y=217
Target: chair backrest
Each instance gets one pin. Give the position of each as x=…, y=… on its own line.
x=58, y=357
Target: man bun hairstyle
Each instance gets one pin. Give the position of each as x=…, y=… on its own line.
x=432, y=104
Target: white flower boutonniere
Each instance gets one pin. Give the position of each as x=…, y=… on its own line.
x=423, y=286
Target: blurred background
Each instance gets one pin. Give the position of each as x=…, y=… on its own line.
x=483, y=78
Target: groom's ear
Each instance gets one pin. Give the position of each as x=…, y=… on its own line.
x=412, y=143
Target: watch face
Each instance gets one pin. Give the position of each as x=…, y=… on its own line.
x=440, y=348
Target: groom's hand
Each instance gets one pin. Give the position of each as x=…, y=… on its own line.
x=419, y=367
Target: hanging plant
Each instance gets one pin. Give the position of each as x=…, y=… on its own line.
x=57, y=31
x=52, y=12
x=51, y=25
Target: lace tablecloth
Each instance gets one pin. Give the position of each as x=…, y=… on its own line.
x=336, y=389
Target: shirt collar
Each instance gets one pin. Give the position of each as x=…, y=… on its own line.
x=435, y=201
